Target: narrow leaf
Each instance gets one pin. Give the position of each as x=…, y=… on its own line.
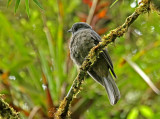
x=16, y=6
x=9, y=2
x=113, y=3
x=38, y=3
x=27, y=6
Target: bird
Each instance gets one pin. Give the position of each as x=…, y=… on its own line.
x=83, y=39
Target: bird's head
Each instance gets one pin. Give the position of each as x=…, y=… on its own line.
x=79, y=26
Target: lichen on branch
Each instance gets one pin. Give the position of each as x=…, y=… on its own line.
x=6, y=112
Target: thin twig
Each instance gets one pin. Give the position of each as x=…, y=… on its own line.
x=33, y=112
x=91, y=12
x=143, y=75
x=62, y=111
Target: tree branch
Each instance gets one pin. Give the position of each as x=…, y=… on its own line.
x=63, y=109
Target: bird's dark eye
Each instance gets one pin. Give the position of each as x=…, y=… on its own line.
x=75, y=29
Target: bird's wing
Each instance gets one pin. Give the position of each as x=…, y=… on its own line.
x=105, y=54
x=109, y=84
x=108, y=59
x=106, y=81
x=95, y=77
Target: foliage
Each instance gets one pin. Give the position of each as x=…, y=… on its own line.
x=36, y=70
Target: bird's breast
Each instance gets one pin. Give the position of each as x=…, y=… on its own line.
x=80, y=45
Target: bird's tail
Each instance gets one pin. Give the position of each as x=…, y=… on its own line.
x=112, y=89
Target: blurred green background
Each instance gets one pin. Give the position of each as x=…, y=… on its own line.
x=36, y=71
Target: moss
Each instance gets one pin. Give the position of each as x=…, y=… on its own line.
x=6, y=112
x=61, y=109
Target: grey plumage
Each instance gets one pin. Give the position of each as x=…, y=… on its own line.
x=83, y=39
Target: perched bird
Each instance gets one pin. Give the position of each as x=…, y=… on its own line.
x=84, y=38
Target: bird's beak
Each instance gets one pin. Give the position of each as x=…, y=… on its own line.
x=70, y=30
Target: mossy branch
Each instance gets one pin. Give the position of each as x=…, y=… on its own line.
x=6, y=112
x=63, y=109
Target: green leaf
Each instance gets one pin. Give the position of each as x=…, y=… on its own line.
x=49, y=76
x=38, y=3
x=16, y=6
x=27, y=6
x=133, y=114
x=9, y=2
x=146, y=111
